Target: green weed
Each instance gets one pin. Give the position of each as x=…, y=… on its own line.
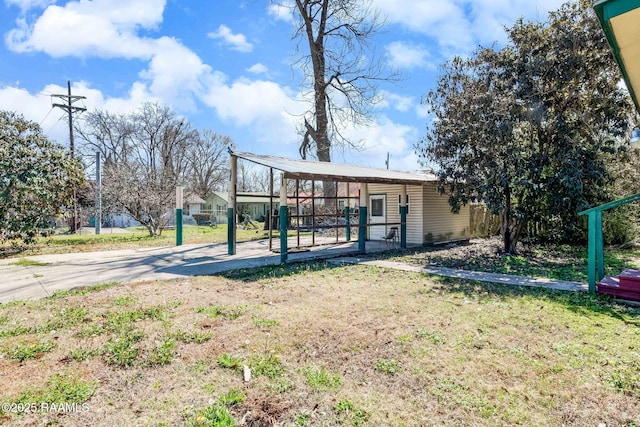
x=15, y=331
x=164, y=352
x=115, y=321
x=121, y=350
x=60, y=389
x=25, y=351
x=321, y=379
x=66, y=317
x=432, y=336
x=265, y=323
x=351, y=413
x=233, y=397
x=192, y=336
x=302, y=420
x=388, y=366
x=216, y=415
x=84, y=290
x=230, y=313
x=625, y=382
x=82, y=354
x=125, y=300
x=25, y=262
x=230, y=362
x=269, y=366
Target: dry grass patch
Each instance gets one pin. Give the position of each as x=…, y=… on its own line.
x=329, y=346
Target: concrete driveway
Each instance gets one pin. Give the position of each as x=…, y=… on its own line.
x=67, y=271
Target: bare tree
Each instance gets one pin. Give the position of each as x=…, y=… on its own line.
x=146, y=158
x=207, y=162
x=342, y=69
x=252, y=178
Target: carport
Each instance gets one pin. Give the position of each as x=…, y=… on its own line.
x=329, y=174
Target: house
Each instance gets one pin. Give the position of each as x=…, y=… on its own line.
x=256, y=205
x=193, y=205
x=429, y=216
x=382, y=193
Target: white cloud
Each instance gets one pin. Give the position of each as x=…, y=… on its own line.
x=422, y=110
x=281, y=11
x=258, y=69
x=398, y=102
x=108, y=29
x=443, y=20
x=234, y=41
x=460, y=25
x=26, y=5
x=101, y=28
x=403, y=55
x=175, y=73
x=382, y=137
x=248, y=102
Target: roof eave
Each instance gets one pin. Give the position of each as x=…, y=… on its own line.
x=605, y=10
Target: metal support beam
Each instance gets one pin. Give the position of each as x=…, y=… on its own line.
x=403, y=216
x=179, y=204
x=599, y=248
x=284, y=210
x=231, y=210
x=362, y=221
x=347, y=219
x=270, y=216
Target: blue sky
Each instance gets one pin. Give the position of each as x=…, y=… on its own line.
x=225, y=65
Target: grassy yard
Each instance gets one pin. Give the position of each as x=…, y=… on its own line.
x=133, y=237
x=562, y=262
x=323, y=345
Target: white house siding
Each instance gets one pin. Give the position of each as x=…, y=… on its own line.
x=414, y=219
x=440, y=224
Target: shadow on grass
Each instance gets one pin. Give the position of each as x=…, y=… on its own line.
x=577, y=302
x=553, y=261
x=277, y=271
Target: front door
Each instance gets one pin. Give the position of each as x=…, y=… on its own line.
x=378, y=215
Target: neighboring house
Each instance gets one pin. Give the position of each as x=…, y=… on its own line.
x=429, y=216
x=256, y=205
x=193, y=205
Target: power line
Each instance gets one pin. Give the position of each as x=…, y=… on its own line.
x=70, y=109
x=46, y=115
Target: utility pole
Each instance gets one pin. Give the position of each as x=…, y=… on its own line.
x=387, y=161
x=70, y=109
x=98, y=194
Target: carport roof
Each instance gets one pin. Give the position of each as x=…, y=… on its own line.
x=324, y=171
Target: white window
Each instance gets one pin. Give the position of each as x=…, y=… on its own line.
x=408, y=203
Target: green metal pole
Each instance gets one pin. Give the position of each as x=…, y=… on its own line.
x=283, y=234
x=599, y=247
x=231, y=231
x=362, y=229
x=403, y=227
x=348, y=223
x=178, y=227
x=591, y=266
